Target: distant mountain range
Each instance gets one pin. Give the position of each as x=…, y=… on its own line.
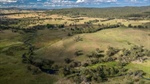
x=50, y=4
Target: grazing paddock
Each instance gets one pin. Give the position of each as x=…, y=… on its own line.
x=44, y=47
x=41, y=18
x=119, y=37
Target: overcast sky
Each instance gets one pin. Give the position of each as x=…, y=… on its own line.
x=74, y=3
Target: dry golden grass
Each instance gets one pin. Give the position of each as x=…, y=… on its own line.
x=42, y=19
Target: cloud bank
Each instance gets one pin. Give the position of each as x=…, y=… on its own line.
x=9, y=1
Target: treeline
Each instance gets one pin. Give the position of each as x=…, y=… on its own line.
x=120, y=12
x=138, y=26
x=90, y=28
x=6, y=23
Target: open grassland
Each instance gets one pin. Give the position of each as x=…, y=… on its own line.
x=47, y=37
x=119, y=12
x=54, y=44
x=106, y=64
x=8, y=38
x=12, y=70
x=119, y=37
x=28, y=20
x=141, y=66
x=42, y=47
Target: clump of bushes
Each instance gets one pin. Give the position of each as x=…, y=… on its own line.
x=79, y=52
x=112, y=51
x=134, y=53
x=68, y=60
x=35, y=70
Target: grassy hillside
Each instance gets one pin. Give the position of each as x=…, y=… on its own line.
x=11, y=67
x=77, y=45
x=119, y=37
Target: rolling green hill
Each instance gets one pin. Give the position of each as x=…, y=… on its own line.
x=76, y=45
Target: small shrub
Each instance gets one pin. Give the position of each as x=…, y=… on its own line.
x=85, y=65
x=112, y=51
x=79, y=52
x=34, y=70
x=67, y=60
x=78, y=38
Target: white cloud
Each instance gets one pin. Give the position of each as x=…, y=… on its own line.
x=61, y=1
x=85, y=1
x=8, y=0
x=131, y=0
x=80, y=1
x=137, y=1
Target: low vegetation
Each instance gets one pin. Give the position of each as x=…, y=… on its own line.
x=68, y=46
